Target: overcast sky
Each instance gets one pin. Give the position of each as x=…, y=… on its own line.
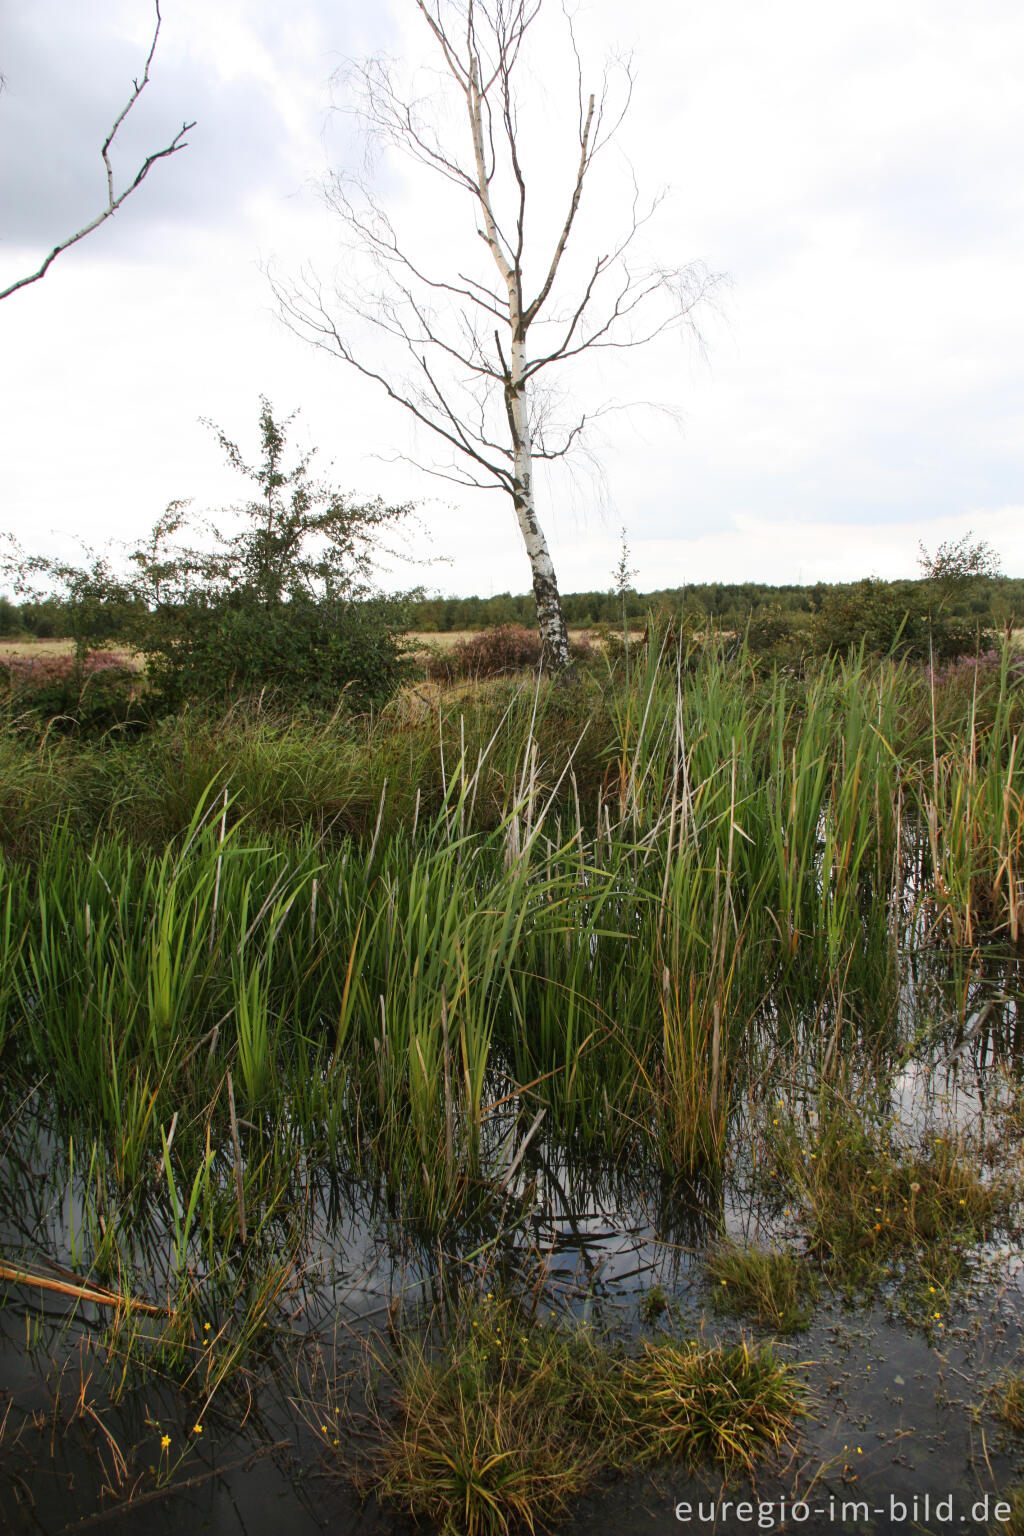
x=857, y=174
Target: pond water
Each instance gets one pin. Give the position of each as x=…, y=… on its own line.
x=901, y=1434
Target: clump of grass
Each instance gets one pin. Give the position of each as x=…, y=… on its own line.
x=1013, y=1525
x=1009, y=1402
x=876, y=1209
x=503, y=1420
x=653, y=1304
x=495, y=1427
x=726, y=1405
x=770, y=1286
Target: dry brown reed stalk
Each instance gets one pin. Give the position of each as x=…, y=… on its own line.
x=79, y=1290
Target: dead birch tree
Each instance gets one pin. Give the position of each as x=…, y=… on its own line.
x=114, y=198
x=471, y=355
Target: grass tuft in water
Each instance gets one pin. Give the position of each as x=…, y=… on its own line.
x=730, y=1405
x=877, y=1209
x=496, y=1425
x=1013, y=1525
x=769, y=1286
x=500, y=1420
x=1009, y=1403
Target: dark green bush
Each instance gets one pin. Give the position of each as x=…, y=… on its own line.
x=777, y=637
x=303, y=654
x=896, y=619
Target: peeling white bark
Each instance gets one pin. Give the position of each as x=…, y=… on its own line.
x=553, y=634
x=551, y=621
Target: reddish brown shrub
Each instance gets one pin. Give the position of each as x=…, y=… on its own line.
x=88, y=694
x=491, y=653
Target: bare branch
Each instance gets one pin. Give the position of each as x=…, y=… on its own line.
x=114, y=201
x=306, y=314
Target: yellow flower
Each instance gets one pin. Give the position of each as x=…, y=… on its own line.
x=206, y=1327
x=197, y=1429
x=165, y=1441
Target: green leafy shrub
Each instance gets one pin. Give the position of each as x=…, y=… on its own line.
x=895, y=619
x=316, y=655
x=278, y=600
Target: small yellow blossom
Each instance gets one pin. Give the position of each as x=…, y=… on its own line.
x=165, y=1441
x=197, y=1429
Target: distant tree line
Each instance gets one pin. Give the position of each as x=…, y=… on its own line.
x=989, y=600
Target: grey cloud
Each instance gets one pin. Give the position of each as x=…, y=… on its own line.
x=896, y=467
x=65, y=84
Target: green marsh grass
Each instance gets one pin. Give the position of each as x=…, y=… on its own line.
x=771, y=1287
x=497, y=1420
x=731, y=1405
x=1008, y=1401
x=881, y=1210
x=1013, y=1523
x=436, y=953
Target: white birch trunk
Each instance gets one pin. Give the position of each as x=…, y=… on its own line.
x=553, y=634
x=550, y=619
